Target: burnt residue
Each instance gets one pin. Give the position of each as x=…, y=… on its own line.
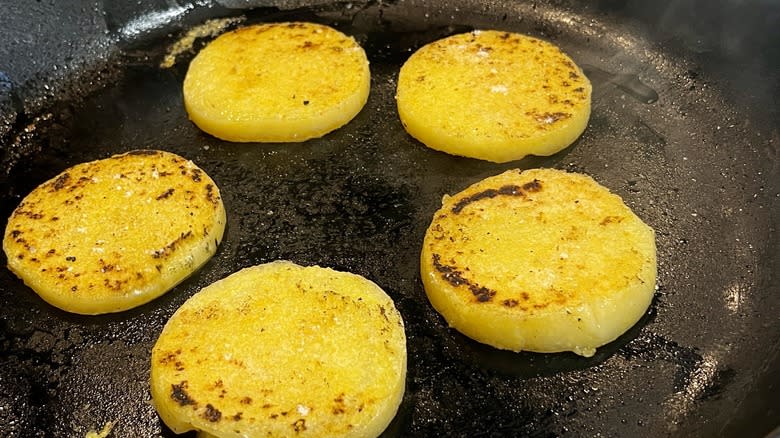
x=179, y=394
x=629, y=83
x=651, y=347
x=455, y=277
x=506, y=190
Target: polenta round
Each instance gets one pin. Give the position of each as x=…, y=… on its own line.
x=282, y=350
x=112, y=234
x=496, y=96
x=278, y=82
x=540, y=260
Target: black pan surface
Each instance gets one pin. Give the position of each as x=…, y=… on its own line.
x=670, y=132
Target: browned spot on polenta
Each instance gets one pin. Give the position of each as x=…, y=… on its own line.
x=211, y=194
x=179, y=394
x=533, y=186
x=171, y=247
x=455, y=277
x=611, y=219
x=506, y=190
x=143, y=152
x=165, y=194
x=212, y=414
x=299, y=425
x=61, y=181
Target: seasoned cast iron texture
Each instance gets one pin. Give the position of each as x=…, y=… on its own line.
x=683, y=128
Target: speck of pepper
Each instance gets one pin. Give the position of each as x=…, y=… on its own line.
x=70, y=258
x=305, y=102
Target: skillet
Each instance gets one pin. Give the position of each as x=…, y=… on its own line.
x=684, y=128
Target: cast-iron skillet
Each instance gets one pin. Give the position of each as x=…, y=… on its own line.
x=684, y=128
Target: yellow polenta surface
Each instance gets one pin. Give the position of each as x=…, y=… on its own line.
x=496, y=96
x=280, y=82
x=540, y=260
x=112, y=234
x=282, y=350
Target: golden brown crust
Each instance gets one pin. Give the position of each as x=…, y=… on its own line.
x=493, y=95
x=108, y=235
x=539, y=260
x=318, y=353
x=277, y=82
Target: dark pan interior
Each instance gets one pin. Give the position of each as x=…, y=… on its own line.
x=669, y=132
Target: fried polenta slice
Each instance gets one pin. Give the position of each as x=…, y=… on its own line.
x=112, y=234
x=540, y=260
x=282, y=350
x=496, y=96
x=279, y=82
